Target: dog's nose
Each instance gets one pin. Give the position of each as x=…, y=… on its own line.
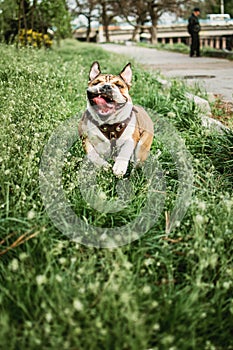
x=106, y=88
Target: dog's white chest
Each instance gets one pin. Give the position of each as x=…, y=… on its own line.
x=111, y=147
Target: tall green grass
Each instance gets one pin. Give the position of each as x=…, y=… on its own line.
x=154, y=293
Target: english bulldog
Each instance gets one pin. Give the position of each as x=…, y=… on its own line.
x=111, y=127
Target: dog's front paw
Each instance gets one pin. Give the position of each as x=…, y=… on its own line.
x=120, y=168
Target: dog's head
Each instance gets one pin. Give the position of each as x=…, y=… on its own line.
x=108, y=93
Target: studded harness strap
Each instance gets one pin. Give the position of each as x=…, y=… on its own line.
x=113, y=131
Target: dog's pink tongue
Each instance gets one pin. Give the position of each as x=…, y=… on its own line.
x=99, y=100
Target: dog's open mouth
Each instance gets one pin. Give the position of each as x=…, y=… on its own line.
x=104, y=104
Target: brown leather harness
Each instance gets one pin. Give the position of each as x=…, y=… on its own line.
x=114, y=131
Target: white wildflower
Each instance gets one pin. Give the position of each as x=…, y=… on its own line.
x=78, y=306
x=146, y=289
x=227, y=284
x=41, y=279
x=155, y=304
x=199, y=219
x=31, y=214
x=49, y=317
x=148, y=262
x=73, y=259
x=62, y=261
x=127, y=265
x=102, y=195
x=14, y=265
x=23, y=256
x=171, y=114
x=202, y=205
x=125, y=297
x=156, y=327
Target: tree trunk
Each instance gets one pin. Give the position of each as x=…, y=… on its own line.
x=105, y=22
x=25, y=23
x=106, y=33
x=32, y=13
x=154, y=16
x=19, y=23
x=32, y=17
x=153, y=31
x=88, y=29
x=135, y=32
x=58, y=37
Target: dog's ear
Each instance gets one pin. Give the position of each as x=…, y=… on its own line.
x=126, y=74
x=94, y=71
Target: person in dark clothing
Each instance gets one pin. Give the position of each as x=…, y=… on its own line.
x=194, y=29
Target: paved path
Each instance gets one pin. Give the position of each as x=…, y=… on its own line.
x=215, y=75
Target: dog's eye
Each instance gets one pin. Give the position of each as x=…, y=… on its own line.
x=95, y=83
x=119, y=85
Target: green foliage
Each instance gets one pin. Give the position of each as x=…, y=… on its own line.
x=214, y=7
x=34, y=16
x=155, y=293
x=211, y=52
x=55, y=13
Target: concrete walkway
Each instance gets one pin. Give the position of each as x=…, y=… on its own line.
x=215, y=75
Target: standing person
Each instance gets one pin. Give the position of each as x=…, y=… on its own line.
x=194, y=29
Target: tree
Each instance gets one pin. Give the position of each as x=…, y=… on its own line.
x=102, y=10
x=34, y=15
x=108, y=9
x=150, y=11
x=8, y=20
x=229, y=7
x=54, y=14
x=135, y=12
x=213, y=6
x=88, y=9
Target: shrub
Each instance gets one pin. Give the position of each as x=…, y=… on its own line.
x=34, y=39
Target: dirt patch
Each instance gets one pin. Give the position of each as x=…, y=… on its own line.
x=222, y=111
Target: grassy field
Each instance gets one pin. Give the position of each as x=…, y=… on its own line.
x=158, y=292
